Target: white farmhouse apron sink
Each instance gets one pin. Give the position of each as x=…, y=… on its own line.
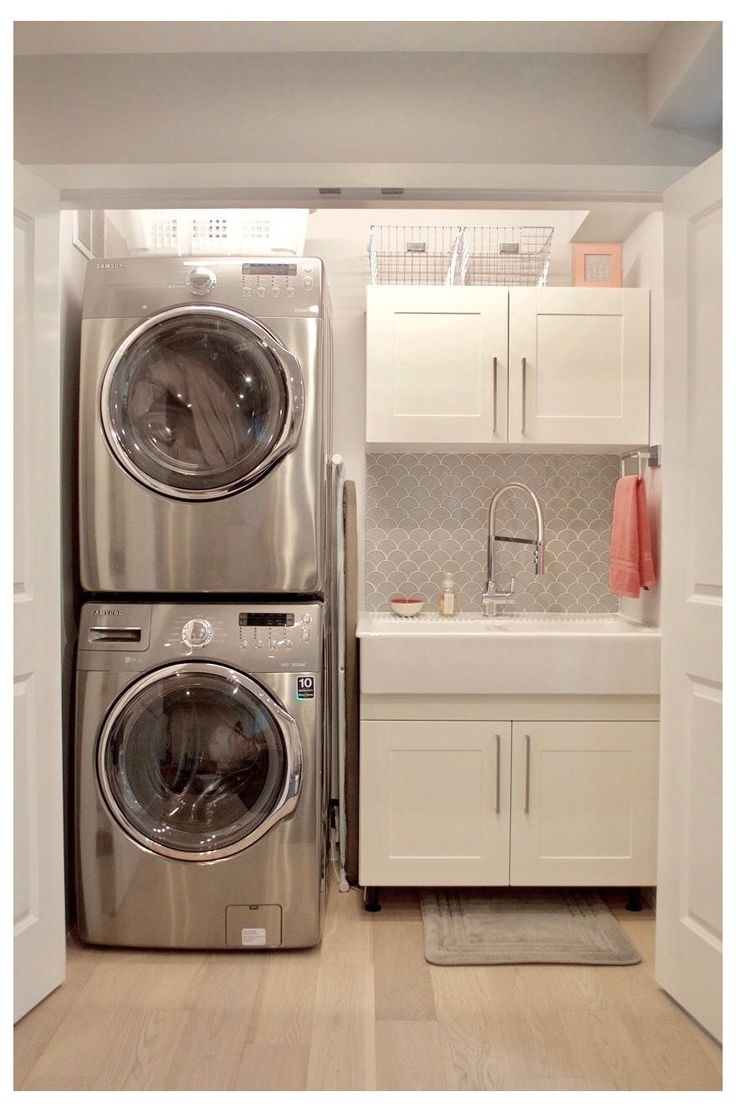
x=507, y=655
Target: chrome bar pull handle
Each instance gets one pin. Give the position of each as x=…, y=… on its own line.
x=498, y=774
x=523, y=394
x=495, y=393
x=528, y=771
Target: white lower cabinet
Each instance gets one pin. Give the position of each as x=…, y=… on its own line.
x=498, y=803
x=434, y=803
x=584, y=803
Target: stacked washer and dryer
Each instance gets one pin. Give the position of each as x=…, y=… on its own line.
x=203, y=702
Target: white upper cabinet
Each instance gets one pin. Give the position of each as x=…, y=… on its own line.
x=578, y=366
x=436, y=366
x=475, y=367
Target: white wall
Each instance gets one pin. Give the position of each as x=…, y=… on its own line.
x=387, y=109
x=685, y=78
x=643, y=266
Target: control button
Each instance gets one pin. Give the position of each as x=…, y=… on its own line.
x=196, y=633
x=247, y=291
x=275, y=291
x=280, y=643
x=307, y=283
x=306, y=636
x=261, y=291
x=289, y=291
x=306, y=620
x=308, y=268
x=201, y=280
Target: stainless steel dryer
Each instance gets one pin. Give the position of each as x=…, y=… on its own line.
x=201, y=766
x=205, y=426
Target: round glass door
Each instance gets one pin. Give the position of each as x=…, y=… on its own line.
x=199, y=402
x=197, y=761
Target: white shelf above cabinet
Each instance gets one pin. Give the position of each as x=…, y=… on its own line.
x=484, y=368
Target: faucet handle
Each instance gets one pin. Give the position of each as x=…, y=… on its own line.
x=492, y=593
x=492, y=597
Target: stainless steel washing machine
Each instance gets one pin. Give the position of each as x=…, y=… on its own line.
x=205, y=426
x=201, y=768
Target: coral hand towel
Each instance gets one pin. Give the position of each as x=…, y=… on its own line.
x=632, y=566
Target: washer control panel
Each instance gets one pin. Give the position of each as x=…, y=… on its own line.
x=253, y=637
x=272, y=632
x=281, y=638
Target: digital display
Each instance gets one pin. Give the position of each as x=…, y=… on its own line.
x=287, y=269
x=266, y=619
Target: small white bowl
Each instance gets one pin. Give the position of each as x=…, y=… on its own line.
x=406, y=607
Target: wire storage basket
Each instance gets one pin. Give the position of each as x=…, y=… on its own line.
x=414, y=254
x=499, y=256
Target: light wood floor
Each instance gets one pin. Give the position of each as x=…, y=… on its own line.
x=364, y=1011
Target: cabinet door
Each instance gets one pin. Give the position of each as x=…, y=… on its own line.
x=579, y=366
x=436, y=366
x=584, y=803
x=434, y=802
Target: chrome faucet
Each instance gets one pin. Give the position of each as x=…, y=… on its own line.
x=493, y=598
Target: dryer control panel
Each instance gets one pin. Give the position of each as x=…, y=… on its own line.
x=290, y=281
x=267, y=286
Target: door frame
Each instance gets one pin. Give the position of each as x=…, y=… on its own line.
x=153, y=186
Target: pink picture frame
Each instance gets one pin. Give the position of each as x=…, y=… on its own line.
x=597, y=264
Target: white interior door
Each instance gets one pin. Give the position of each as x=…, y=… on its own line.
x=38, y=825
x=689, y=898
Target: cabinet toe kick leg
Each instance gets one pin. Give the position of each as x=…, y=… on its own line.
x=634, y=902
x=370, y=898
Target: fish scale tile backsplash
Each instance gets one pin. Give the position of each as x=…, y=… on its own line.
x=427, y=514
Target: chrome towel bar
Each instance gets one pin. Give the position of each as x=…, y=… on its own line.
x=645, y=457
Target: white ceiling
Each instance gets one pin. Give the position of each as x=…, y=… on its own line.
x=86, y=37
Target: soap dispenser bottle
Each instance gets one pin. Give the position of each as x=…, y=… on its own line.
x=447, y=604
